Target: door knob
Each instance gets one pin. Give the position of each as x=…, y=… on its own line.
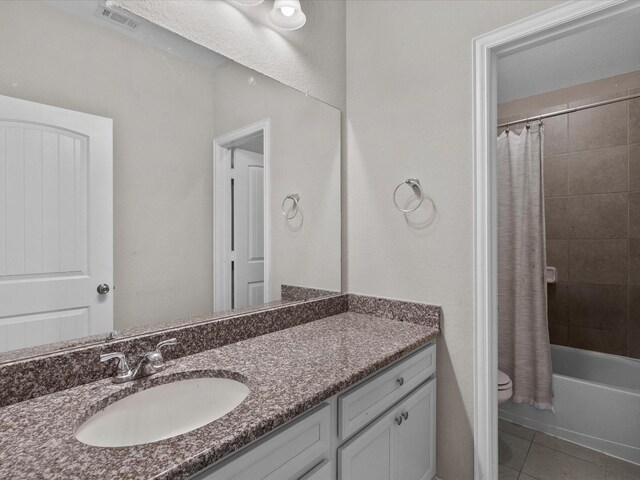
x=103, y=289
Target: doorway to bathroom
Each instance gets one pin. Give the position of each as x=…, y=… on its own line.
x=240, y=209
x=529, y=36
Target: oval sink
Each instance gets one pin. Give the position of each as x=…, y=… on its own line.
x=162, y=412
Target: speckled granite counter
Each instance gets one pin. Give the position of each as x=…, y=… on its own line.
x=288, y=372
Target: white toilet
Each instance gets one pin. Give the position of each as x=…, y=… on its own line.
x=505, y=387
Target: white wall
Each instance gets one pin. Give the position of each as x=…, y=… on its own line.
x=409, y=114
x=305, y=159
x=311, y=59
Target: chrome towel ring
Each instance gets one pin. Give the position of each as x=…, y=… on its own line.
x=295, y=198
x=414, y=183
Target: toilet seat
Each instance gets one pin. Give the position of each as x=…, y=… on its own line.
x=505, y=387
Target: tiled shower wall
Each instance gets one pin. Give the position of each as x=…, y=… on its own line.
x=592, y=208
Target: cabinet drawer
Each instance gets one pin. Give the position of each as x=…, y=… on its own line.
x=322, y=471
x=287, y=454
x=365, y=402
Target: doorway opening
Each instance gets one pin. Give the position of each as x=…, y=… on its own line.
x=564, y=20
x=241, y=220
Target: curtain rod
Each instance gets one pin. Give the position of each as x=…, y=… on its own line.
x=570, y=110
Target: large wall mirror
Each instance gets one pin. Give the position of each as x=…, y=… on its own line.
x=146, y=180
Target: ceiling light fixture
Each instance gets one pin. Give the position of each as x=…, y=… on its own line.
x=287, y=14
x=247, y=3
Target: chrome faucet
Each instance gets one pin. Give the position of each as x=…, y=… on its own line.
x=147, y=364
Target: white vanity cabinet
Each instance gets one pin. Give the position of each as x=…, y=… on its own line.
x=291, y=453
x=400, y=445
x=383, y=428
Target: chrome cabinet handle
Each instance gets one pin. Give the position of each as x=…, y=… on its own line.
x=123, y=366
x=400, y=381
x=405, y=415
x=103, y=289
x=399, y=420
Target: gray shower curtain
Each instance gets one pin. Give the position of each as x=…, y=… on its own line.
x=524, y=349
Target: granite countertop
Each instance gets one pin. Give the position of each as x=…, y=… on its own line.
x=288, y=372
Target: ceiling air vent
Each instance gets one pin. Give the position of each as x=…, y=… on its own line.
x=110, y=15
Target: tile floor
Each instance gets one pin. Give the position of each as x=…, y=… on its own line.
x=526, y=454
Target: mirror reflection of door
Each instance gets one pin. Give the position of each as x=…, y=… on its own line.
x=55, y=224
x=241, y=242
x=247, y=213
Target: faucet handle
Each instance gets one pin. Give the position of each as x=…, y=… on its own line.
x=166, y=343
x=123, y=366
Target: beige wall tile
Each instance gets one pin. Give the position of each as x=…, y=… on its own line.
x=605, y=341
x=598, y=306
x=529, y=107
x=586, y=200
x=598, y=261
x=556, y=175
x=598, y=216
x=558, y=303
x=634, y=261
x=558, y=257
x=634, y=215
x=598, y=127
x=556, y=135
x=634, y=120
x=556, y=221
x=574, y=94
x=559, y=334
x=598, y=171
x=596, y=95
x=634, y=167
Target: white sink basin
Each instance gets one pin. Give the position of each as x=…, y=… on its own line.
x=162, y=412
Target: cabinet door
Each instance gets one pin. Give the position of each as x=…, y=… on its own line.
x=373, y=453
x=417, y=434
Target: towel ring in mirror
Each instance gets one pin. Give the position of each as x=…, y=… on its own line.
x=414, y=183
x=295, y=198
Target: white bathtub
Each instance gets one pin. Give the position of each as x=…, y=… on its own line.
x=597, y=403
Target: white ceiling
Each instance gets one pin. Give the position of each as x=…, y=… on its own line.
x=146, y=32
x=591, y=54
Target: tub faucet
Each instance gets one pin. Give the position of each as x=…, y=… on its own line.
x=147, y=364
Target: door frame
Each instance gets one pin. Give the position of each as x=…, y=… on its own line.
x=549, y=24
x=221, y=149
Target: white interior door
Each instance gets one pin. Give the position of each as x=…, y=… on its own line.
x=248, y=228
x=56, y=224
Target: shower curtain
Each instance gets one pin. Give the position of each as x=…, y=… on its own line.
x=524, y=351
